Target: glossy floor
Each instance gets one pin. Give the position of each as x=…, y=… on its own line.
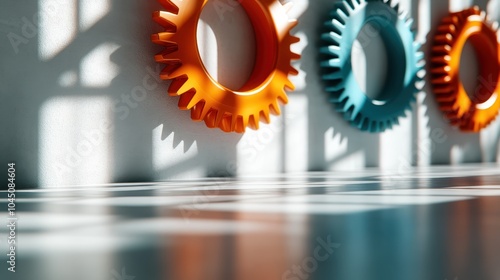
x=423, y=224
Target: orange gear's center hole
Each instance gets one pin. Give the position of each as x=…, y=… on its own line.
x=478, y=75
x=226, y=43
x=469, y=69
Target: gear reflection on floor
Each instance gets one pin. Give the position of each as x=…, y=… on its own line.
x=435, y=223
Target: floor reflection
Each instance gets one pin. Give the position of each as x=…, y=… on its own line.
x=433, y=223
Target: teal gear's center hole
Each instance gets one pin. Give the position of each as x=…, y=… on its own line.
x=378, y=60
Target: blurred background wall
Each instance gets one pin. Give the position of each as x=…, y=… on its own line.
x=81, y=102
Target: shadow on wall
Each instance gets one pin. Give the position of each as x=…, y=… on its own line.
x=84, y=102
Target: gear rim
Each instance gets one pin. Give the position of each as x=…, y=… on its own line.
x=350, y=16
x=208, y=100
x=469, y=115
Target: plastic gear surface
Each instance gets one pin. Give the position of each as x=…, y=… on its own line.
x=469, y=114
x=207, y=99
x=404, y=61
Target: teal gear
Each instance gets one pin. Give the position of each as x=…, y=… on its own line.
x=404, y=62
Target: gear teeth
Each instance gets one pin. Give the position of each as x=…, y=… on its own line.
x=188, y=100
x=396, y=7
x=187, y=86
x=170, y=47
x=210, y=118
x=349, y=6
x=289, y=85
x=395, y=121
x=226, y=122
x=334, y=24
x=240, y=124
x=374, y=127
x=293, y=71
x=199, y=111
x=283, y=98
x=341, y=105
x=444, y=38
x=288, y=6
x=335, y=88
x=330, y=50
x=336, y=75
x=253, y=122
x=234, y=124
x=294, y=56
x=443, y=89
x=170, y=5
x=441, y=60
x=441, y=70
x=365, y=124
x=334, y=65
x=178, y=63
x=220, y=116
x=332, y=37
x=389, y=124
x=165, y=20
x=293, y=39
x=342, y=93
x=382, y=126
x=443, y=80
x=169, y=71
x=335, y=96
x=452, y=29
x=338, y=24
x=264, y=115
x=162, y=38
x=447, y=28
x=403, y=15
x=343, y=15
x=176, y=84
x=419, y=56
x=338, y=5
x=349, y=114
x=292, y=23
x=334, y=62
x=494, y=25
x=168, y=56
x=409, y=23
x=483, y=15
x=275, y=108
x=441, y=49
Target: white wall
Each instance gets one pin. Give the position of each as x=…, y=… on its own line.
x=81, y=102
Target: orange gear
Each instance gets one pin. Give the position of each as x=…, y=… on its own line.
x=207, y=99
x=468, y=114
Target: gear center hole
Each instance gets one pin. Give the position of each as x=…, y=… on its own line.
x=226, y=43
x=369, y=62
x=469, y=69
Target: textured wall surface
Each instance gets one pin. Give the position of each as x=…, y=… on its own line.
x=81, y=102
